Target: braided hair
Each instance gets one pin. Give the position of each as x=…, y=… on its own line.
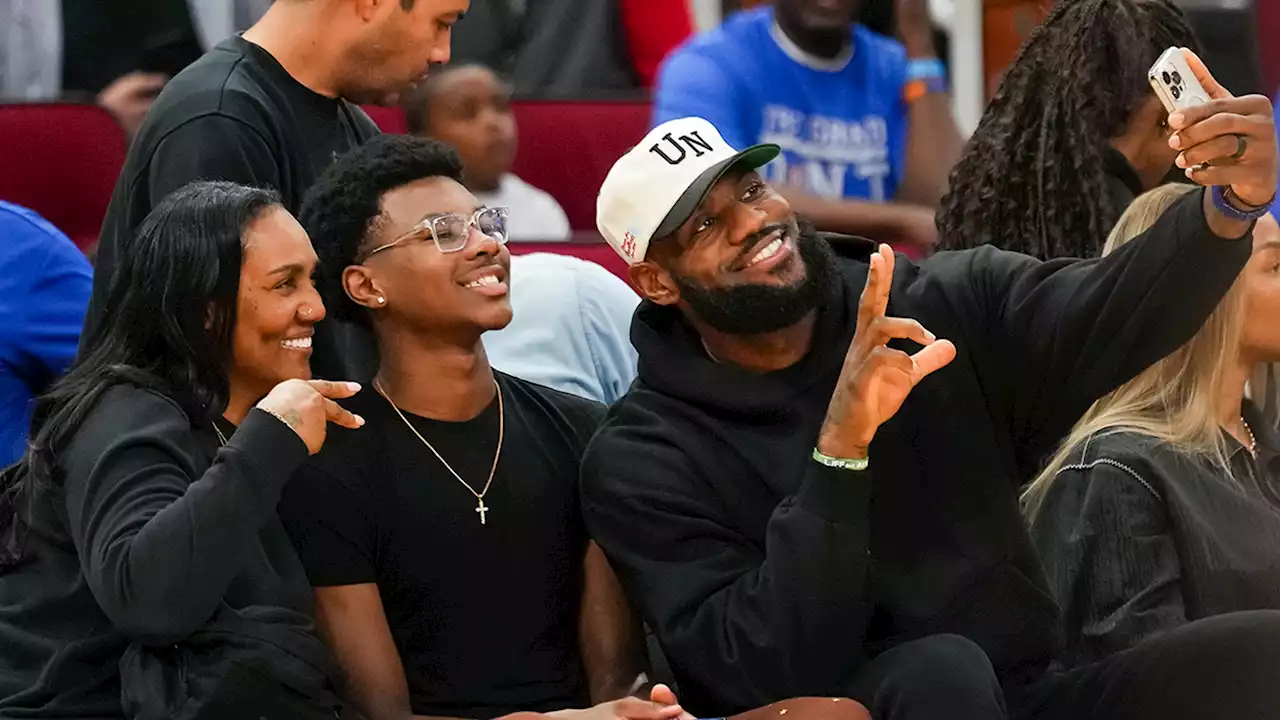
x=1033, y=177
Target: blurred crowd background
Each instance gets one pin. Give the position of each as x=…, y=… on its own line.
x=583, y=71
x=540, y=97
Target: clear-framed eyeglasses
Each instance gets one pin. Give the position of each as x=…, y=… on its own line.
x=451, y=231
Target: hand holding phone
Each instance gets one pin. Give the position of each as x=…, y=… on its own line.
x=1175, y=83
x=1222, y=139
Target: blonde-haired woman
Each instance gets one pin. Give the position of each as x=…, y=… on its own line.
x=1162, y=508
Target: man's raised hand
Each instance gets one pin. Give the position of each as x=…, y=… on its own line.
x=876, y=379
x=1230, y=141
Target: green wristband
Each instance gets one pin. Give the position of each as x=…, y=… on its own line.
x=855, y=464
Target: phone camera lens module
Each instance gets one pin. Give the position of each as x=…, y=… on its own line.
x=1167, y=80
x=1177, y=93
x=1177, y=78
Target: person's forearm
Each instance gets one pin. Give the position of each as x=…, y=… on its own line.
x=1221, y=225
x=1111, y=317
x=611, y=636
x=933, y=148
x=811, y=589
x=934, y=142
x=606, y=687
x=883, y=222
x=808, y=584
x=847, y=216
x=159, y=572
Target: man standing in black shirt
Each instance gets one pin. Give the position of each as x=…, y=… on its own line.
x=273, y=108
x=733, y=487
x=453, y=573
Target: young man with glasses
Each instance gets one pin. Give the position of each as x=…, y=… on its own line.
x=453, y=573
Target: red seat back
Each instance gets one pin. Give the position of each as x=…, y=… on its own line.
x=567, y=148
x=62, y=161
x=388, y=119
x=597, y=251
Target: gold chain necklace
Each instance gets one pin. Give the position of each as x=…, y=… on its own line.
x=481, y=508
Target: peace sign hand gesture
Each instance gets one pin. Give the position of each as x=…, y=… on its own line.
x=876, y=378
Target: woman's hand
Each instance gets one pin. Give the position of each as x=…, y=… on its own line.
x=307, y=407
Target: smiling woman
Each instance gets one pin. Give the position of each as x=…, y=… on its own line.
x=277, y=308
x=141, y=522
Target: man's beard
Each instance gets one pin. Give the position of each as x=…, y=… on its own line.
x=756, y=309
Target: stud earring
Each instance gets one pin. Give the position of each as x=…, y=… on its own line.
x=382, y=300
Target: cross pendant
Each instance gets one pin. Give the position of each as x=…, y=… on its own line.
x=482, y=509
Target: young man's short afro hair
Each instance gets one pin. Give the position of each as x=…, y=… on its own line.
x=345, y=203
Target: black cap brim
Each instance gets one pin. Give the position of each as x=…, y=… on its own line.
x=753, y=157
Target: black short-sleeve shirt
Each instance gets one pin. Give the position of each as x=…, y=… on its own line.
x=236, y=115
x=484, y=615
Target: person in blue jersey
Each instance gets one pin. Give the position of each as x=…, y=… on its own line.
x=45, y=283
x=864, y=121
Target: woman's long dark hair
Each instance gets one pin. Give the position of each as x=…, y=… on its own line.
x=167, y=325
x=1033, y=177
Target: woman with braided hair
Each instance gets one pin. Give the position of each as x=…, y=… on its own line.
x=1072, y=136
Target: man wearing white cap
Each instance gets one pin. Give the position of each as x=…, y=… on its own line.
x=733, y=488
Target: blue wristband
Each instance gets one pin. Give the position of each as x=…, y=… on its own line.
x=936, y=85
x=1224, y=206
x=925, y=69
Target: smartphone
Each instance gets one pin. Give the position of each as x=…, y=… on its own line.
x=1174, y=83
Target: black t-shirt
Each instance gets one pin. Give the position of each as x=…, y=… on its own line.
x=235, y=114
x=484, y=615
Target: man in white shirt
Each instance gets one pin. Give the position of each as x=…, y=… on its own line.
x=468, y=107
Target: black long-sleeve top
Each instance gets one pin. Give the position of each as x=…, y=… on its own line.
x=766, y=576
x=153, y=528
x=1138, y=538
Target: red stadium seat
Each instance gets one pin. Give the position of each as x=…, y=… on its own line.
x=596, y=250
x=388, y=119
x=62, y=161
x=567, y=148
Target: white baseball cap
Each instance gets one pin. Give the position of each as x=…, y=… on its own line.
x=653, y=189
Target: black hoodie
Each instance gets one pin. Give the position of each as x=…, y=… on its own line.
x=766, y=575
